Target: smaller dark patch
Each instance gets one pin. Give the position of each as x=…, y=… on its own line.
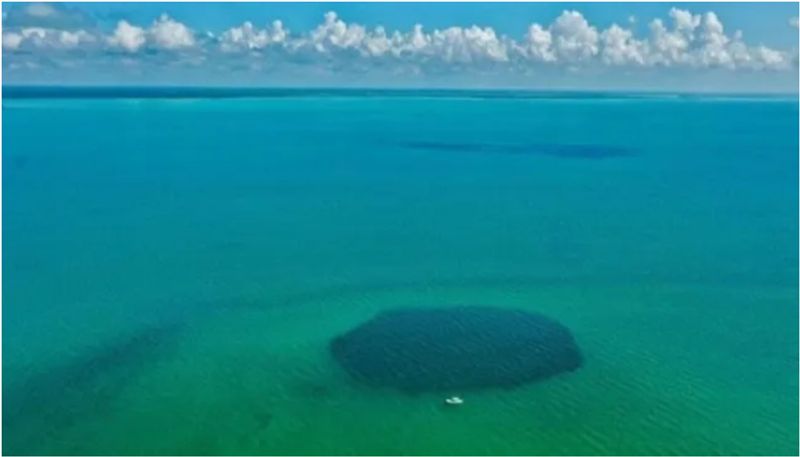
x=574, y=151
x=18, y=162
x=263, y=419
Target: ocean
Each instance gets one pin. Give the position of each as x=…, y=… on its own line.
x=177, y=263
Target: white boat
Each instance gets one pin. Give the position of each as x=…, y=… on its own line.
x=454, y=401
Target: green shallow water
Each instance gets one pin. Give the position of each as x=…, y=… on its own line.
x=175, y=269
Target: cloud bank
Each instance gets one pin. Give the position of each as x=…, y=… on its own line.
x=682, y=40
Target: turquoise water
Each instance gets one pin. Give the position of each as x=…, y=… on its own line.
x=174, y=269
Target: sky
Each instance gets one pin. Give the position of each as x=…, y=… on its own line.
x=702, y=47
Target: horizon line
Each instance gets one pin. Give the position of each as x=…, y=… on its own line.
x=22, y=90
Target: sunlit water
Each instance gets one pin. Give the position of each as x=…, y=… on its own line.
x=175, y=269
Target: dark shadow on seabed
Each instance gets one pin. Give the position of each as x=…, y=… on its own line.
x=455, y=349
x=571, y=151
x=52, y=401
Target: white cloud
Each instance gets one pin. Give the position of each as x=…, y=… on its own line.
x=69, y=39
x=128, y=37
x=765, y=57
x=46, y=38
x=170, y=34
x=713, y=49
x=539, y=44
x=700, y=41
x=11, y=40
x=466, y=45
x=686, y=40
x=620, y=48
x=685, y=22
x=574, y=38
x=452, y=45
x=794, y=22
x=334, y=34
x=247, y=37
x=667, y=47
x=378, y=43
x=164, y=33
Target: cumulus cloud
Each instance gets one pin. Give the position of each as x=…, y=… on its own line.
x=538, y=45
x=619, y=47
x=794, y=22
x=683, y=39
x=248, y=37
x=468, y=45
x=128, y=37
x=11, y=40
x=46, y=38
x=164, y=33
x=335, y=34
x=167, y=33
x=574, y=38
x=700, y=41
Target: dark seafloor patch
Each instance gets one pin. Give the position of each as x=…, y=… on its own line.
x=575, y=151
x=54, y=400
x=18, y=161
x=462, y=348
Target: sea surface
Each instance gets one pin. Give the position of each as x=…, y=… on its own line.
x=176, y=264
